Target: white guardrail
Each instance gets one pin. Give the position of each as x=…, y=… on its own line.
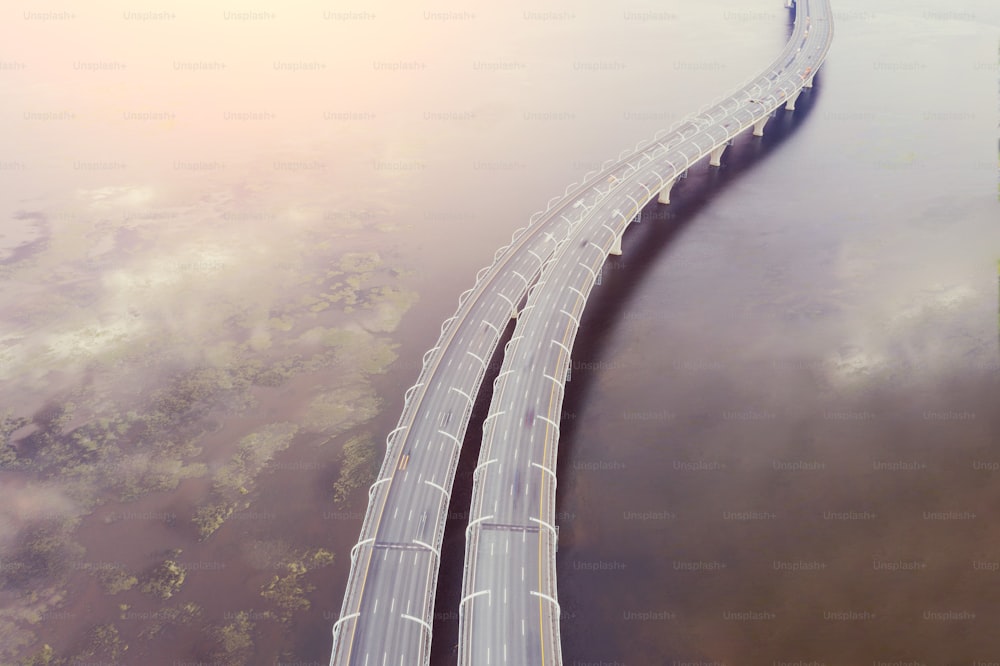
x=706, y=123
x=766, y=92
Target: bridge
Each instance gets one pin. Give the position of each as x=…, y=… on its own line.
x=388, y=605
x=509, y=612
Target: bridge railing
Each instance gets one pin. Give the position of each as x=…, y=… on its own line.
x=396, y=438
x=777, y=93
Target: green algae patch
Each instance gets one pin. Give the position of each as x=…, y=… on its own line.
x=237, y=477
x=167, y=618
x=44, y=657
x=360, y=262
x=341, y=409
x=165, y=579
x=116, y=580
x=358, y=466
x=106, y=641
x=384, y=308
x=235, y=640
x=255, y=451
x=210, y=517
x=139, y=343
x=288, y=591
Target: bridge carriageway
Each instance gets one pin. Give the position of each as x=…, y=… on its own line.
x=509, y=610
x=388, y=604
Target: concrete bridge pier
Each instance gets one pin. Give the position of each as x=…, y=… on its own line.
x=809, y=81
x=790, y=104
x=664, y=197
x=616, y=249
x=758, y=127
x=716, y=155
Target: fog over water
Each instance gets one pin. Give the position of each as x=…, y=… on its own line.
x=228, y=236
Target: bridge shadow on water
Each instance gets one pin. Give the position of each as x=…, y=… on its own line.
x=449, y=590
x=642, y=247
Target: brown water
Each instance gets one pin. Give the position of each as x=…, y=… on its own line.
x=802, y=469
x=817, y=408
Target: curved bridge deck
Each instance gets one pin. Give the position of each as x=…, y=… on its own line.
x=388, y=605
x=509, y=612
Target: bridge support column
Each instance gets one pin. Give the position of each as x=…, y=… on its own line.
x=616, y=249
x=758, y=127
x=716, y=155
x=809, y=81
x=790, y=104
x=664, y=197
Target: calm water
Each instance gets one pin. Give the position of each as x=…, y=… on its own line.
x=801, y=468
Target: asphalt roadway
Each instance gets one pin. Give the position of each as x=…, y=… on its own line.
x=509, y=612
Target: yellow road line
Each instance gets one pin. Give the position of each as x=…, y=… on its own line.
x=541, y=495
x=378, y=520
x=523, y=242
x=541, y=490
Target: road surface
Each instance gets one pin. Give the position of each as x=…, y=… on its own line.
x=509, y=612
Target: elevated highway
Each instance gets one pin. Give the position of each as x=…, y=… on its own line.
x=509, y=612
x=387, y=611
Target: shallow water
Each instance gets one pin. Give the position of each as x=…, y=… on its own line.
x=824, y=307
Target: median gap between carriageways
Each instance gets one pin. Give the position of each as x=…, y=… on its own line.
x=449, y=587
